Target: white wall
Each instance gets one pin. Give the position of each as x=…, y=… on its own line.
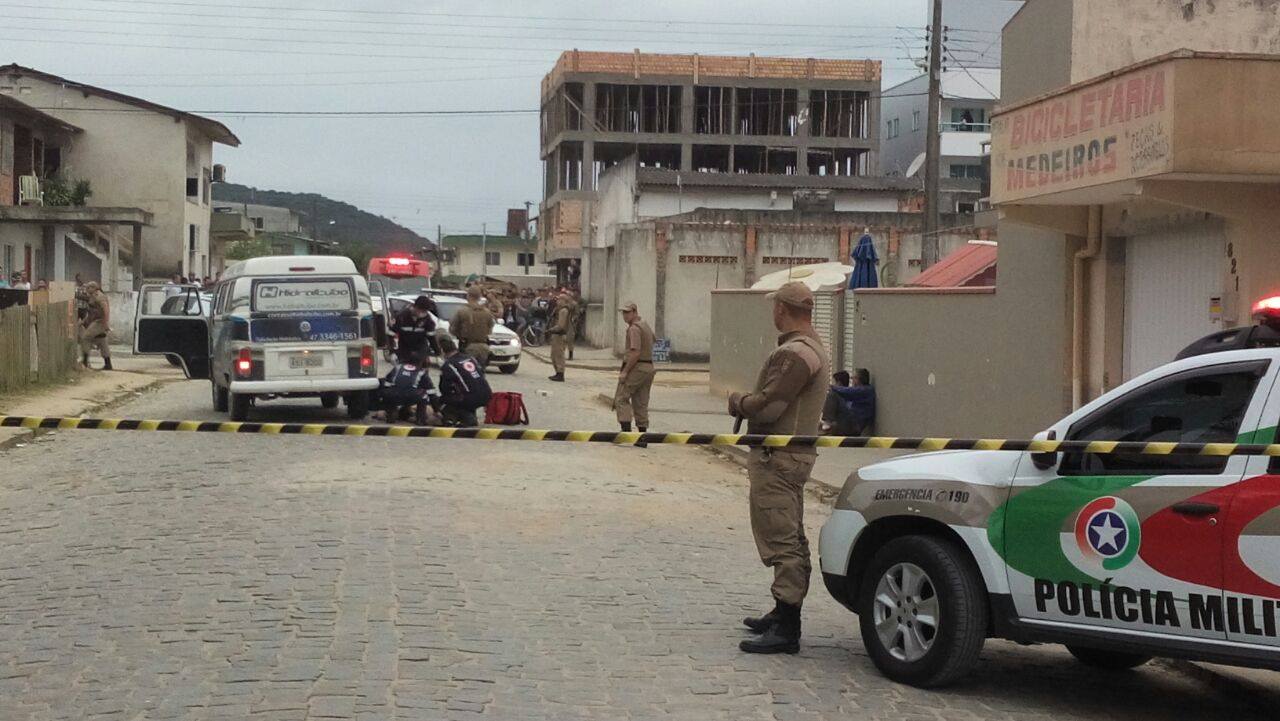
x=132, y=159
x=469, y=260
x=1107, y=35
x=663, y=202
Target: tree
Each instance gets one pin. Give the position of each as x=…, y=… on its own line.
x=245, y=249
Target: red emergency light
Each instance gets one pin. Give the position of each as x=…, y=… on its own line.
x=1268, y=307
x=398, y=261
x=399, y=267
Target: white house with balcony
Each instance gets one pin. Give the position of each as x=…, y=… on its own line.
x=968, y=97
x=135, y=154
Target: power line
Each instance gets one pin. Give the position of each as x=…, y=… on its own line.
x=559, y=35
x=524, y=18
x=291, y=41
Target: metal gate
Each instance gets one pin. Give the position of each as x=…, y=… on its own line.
x=1170, y=279
x=828, y=320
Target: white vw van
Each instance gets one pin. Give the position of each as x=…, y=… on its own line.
x=281, y=326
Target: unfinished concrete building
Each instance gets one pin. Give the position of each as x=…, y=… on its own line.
x=696, y=114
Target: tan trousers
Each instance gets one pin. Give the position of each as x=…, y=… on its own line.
x=479, y=351
x=631, y=399
x=94, y=336
x=559, y=345
x=777, y=518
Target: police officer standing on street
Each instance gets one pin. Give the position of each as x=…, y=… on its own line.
x=559, y=333
x=635, y=379
x=787, y=400
x=95, y=325
x=472, y=325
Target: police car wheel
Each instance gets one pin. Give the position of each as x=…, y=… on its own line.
x=509, y=369
x=1107, y=660
x=922, y=611
x=329, y=400
x=240, y=405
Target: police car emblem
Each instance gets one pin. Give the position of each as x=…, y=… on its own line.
x=304, y=326
x=1108, y=533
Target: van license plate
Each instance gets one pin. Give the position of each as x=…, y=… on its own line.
x=306, y=361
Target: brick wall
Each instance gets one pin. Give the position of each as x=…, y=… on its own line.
x=712, y=66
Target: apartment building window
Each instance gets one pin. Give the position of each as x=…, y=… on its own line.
x=966, y=171
x=492, y=257
x=207, y=175
x=193, y=188
x=915, y=120
x=524, y=260
x=894, y=129
x=257, y=223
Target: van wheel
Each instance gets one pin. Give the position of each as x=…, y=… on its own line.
x=220, y=399
x=357, y=405
x=922, y=611
x=1107, y=660
x=329, y=400
x=240, y=404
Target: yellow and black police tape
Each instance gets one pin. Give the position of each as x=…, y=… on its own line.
x=631, y=438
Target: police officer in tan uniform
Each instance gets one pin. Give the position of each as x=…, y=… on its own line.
x=472, y=325
x=631, y=399
x=787, y=400
x=95, y=325
x=559, y=332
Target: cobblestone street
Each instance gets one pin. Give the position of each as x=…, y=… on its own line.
x=156, y=576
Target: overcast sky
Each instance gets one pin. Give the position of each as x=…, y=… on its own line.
x=416, y=55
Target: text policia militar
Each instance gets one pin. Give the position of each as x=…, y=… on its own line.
x=1081, y=131
x=1202, y=612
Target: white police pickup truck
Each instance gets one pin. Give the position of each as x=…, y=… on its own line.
x=1119, y=557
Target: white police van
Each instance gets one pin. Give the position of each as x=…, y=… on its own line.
x=288, y=326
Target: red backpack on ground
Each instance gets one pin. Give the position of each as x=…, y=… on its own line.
x=506, y=409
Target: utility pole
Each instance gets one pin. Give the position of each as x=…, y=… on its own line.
x=933, y=148
x=528, y=248
x=484, y=255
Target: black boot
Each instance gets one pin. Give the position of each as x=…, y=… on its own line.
x=84, y=360
x=625, y=425
x=559, y=378
x=642, y=444
x=760, y=624
x=782, y=637
x=106, y=364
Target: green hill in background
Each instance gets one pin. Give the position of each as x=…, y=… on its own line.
x=359, y=234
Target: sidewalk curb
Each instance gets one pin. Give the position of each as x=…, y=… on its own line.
x=22, y=436
x=580, y=365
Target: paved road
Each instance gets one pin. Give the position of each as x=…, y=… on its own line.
x=149, y=576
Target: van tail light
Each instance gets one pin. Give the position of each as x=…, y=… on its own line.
x=244, y=363
x=366, y=359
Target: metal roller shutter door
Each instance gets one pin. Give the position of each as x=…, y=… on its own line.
x=1170, y=277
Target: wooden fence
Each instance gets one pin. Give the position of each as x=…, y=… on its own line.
x=37, y=345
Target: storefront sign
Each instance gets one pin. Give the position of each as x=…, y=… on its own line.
x=1117, y=129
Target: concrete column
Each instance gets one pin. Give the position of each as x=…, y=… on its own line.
x=137, y=257
x=662, y=233
x=589, y=106
x=749, y=257
x=687, y=105
x=588, y=165
x=842, y=255
x=873, y=133
x=57, y=239
x=802, y=131
x=686, y=157
x=113, y=261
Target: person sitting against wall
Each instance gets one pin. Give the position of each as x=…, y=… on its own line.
x=850, y=408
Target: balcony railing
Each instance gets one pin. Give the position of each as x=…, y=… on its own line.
x=965, y=127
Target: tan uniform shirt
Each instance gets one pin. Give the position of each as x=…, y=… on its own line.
x=640, y=338
x=564, y=319
x=472, y=324
x=97, y=309
x=790, y=389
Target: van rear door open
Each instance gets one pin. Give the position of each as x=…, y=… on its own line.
x=171, y=320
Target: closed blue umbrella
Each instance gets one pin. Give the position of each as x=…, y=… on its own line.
x=865, y=260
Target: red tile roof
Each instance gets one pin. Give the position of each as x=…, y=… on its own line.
x=973, y=264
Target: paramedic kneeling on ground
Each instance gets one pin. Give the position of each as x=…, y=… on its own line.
x=463, y=387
